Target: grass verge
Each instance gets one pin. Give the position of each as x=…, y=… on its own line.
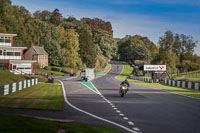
x=7, y=77
x=20, y=124
x=127, y=71
x=107, y=69
x=41, y=96
x=55, y=73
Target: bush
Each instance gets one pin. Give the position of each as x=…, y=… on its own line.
x=58, y=69
x=47, y=68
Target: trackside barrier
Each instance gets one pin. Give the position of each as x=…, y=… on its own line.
x=8, y=89
x=183, y=84
x=141, y=79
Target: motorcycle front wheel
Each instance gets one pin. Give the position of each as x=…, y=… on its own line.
x=122, y=93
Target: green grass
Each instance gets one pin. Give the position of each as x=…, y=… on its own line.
x=43, y=79
x=20, y=124
x=101, y=73
x=108, y=68
x=41, y=96
x=55, y=73
x=127, y=71
x=189, y=76
x=7, y=77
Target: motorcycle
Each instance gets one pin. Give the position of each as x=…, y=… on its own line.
x=123, y=90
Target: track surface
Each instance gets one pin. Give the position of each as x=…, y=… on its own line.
x=142, y=110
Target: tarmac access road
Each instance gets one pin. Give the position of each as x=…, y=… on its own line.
x=143, y=109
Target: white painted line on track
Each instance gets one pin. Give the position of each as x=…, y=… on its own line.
x=136, y=129
x=118, y=111
x=92, y=115
x=121, y=114
x=125, y=118
x=130, y=123
x=115, y=108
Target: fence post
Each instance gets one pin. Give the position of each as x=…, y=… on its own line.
x=183, y=84
x=170, y=82
x=14, y=87
x=20, y=85
x=173, y=83
x=189, y=85
x=178, y=83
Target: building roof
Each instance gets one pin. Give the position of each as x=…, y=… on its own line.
x=39, y=50
x=7, y=35
x=16, y=61
x=8, y=47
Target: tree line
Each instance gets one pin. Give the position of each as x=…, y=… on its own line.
x=69, y=42
x=89, y=42
x=174, y=50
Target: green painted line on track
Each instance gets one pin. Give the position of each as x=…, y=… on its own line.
x=89, y=85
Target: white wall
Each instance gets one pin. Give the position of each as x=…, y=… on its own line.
x=5, y=44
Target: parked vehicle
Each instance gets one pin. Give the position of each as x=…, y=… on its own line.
x=83, y=76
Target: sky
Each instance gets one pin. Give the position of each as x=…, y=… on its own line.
x=150, y=18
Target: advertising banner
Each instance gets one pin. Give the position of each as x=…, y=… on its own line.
x=155, y=68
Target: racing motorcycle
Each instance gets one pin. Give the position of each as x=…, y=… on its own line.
x=123, y=90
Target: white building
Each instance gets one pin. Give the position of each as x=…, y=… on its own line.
x=11, y=57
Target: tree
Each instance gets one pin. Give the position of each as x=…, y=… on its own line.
x=132, y=48
x=98, y=24
x=174, y=49
x=44, y=15
x=87, y=49
x=56, y=17
x=2, y=27
x=71, y=46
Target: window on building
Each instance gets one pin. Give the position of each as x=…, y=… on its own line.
x=1, y=40
x=1, y=52
x=17, y=53
x=10, y=53
x=7, y=40
x=4, y=52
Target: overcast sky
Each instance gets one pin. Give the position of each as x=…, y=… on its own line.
x=149, y=18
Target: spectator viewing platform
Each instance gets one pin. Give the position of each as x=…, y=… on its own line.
x=6, y=39
x=11, y=58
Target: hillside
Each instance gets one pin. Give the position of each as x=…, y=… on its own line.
x=7, y=77
x=188, y=76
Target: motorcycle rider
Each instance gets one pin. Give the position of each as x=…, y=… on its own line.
x=125, y=82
